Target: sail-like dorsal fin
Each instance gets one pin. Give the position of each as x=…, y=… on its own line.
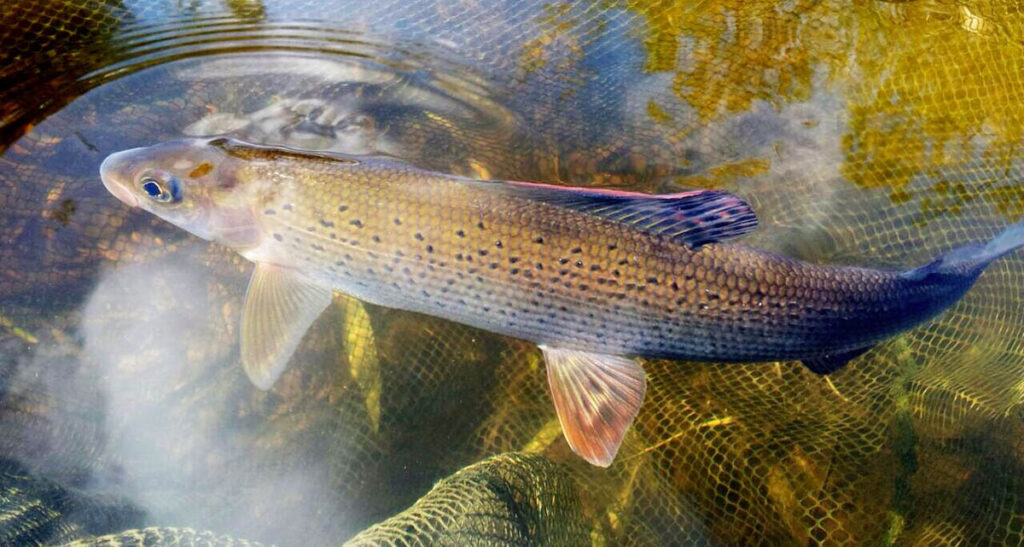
x=695, y=217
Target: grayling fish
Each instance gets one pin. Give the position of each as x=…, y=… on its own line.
x=594, y=277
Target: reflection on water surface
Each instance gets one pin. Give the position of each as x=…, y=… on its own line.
x=878, y=133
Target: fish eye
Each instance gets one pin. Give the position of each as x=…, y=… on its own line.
x=160, y=191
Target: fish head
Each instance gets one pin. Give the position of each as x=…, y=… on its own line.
x=190, y=183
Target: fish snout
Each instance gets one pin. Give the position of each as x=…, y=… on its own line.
x=115, y=171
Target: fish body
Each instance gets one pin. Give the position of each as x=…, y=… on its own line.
x=593, y=277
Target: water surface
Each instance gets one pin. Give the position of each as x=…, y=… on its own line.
x=869, y=133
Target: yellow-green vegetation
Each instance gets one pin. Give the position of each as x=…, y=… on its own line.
x=863, y=132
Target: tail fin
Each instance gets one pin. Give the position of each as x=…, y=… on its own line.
x=974, y=255
x=1012, y=238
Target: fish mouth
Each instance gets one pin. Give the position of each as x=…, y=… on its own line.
x=115, y=173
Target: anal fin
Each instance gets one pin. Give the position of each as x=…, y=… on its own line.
x=597, y=397
x=280, y=306
x=831, y=362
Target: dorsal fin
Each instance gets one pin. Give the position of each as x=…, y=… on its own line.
x=694, y=218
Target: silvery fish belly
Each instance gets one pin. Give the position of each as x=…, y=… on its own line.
x=594, y=277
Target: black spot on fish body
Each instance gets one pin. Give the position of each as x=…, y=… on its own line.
x=497, y=243
x=376, y=239
x=513, y=259
x=460, y=233
x=482, y=252
x=357, y=223
x=539, y=240
x=287, y=207
x=576, y=250
x=279, y=237
x=342, y=208
x=418, y=236
x=326, y=223
x=310, y=229
x=317, y=247
x=480, y=225
x=269, y=212
x=430, y=248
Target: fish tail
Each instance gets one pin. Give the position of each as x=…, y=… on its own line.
x=1011, y=239
x=973, y=257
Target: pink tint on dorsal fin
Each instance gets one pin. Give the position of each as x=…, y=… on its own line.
x=695, y=217
x=610, y=192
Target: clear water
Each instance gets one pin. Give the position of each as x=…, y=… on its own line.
x=878, y=134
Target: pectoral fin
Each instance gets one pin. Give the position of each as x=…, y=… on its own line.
x=279, y=308
x=596, y=397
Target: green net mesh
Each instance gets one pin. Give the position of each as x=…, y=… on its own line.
x=511, y=499
x=869, y=133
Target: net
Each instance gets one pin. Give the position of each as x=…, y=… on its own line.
x=869, y=133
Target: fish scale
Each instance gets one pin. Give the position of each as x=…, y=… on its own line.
x=647, y=296
x=594, y=277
